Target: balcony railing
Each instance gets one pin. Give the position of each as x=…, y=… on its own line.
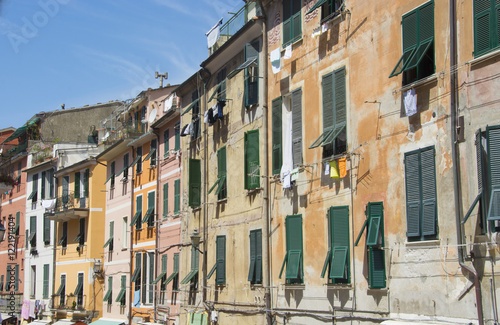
x=68, y=202
x=235, y=23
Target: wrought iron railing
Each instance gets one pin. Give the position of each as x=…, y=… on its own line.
x=69, y=201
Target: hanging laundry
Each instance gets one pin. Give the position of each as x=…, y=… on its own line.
x=168, y=103
x=211, y=119
x=286, y=180
x=294, y=175
x=137, y=298
x=32, y=309
x=276, y=60
x=213, y=34
x=410, y=101
x=25, y=309
x=327, y=169
x=186, y=130
x=288, y=52
x=193, y=131
x=287, y=148
x=342, y=167
x=205, y=117
x=220, y=105
x=334, y=169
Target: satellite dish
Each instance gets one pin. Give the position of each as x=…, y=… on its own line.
x=152, y=116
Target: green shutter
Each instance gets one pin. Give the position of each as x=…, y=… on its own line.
x=138, y=210
x=51, y=183
x=45, y=281
x=33, y=231
x=493, y=145
x=412, y=174
x=484, y=26
x=297, y=127
x=294, y=266
x=258, y=257
x=177, y=196
x=165, y=200
x=151, y=276
x=340, y=97
x=429, y=202
x=376, y=268
x=253, y=255
x=77, y=185
x=166, y=146
x=277, y=137
x=481, y=179
x=46, y=229
x=251, y=80
x=292, y=28
x=16, y=281
x=164, y=263
x=375, y=224
x=339, y=262
x=194, y=183
x=18, y=222
x=252, y=171
x=328, y=116
x=44, y=180
x=296, y=21
x=222, y=173
x=86, y=182
x=151, y=207
x=221, y=260
x=339, y=232
x=177, y=129
x=107, y=296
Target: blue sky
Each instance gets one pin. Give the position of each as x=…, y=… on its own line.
x=80, y=52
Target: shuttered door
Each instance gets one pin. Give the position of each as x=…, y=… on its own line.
x=428, y=179
x=221, y=260
x=277, y=123
x=252, y=171
x=412, y=173
x=297, y=127
x=194, y=183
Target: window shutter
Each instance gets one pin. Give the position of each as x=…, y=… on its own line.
x=86, y=182
x=221, y=260
x=294, y=247
x=222, y=171
x=151, y=205
x=166, y=147
x=493, y=144
x=258, y=256
x=339, y=231
x=484, y=26
x=33, y=230
x=44, y=180
x=426, y=22
x=111, y=232
x=340, y=101
x=138, y=208
x=251, y=80
x=429, y=202
x=46, y=229
x=410, y=31
x=297, y=127
x=51, y=183
x=151, y=276
x=16, y=283
x=412, y=173
x=45, y=281
x=287, y=31
x=252, y=170
x=177, y=196
x=194, y=183
x=296, y=20
x=328, y=117
x=177, y=129
x=277, y=138
x=77, y=185
x=18, y=221
x=376, y=226
x=253, y=255
x=376, y=268
x=165, y=200
x=479, y=159
x=164, y=263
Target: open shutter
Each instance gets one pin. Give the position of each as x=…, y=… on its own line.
x=253, y=248
x=194, y=183
x=493, y=144
x=376, y=224
x=252, y=171
x=166, y=147
x=483, y=26
x=340, y=97
x=77, y=185
x=328, y=117
x=297, y=127
x=412, y=174
x=165, y=200
x=258, y=256
x=376, y=268
x=44, y=180
x=429, y=202
x=45, y=281
x=277, y=137
x=222, y=173
x=221, y=260
x=46, y=229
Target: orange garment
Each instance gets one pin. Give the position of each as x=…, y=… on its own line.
x=342, y=167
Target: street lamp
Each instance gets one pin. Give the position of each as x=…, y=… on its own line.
x=195, y=238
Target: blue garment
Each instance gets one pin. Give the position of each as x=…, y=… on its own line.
x=137, y=298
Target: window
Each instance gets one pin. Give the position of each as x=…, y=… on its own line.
x=294, y=254
x=292, y=29
x=138, y=160
x=192, y=276
x=109, y=243
x=108, y=296
x=44, y=181
x=80, y=238
x=63, y=241
x=46, y=275
x=147, y=277
x=175, y=274
x=163, y=273
x=374, y=224
x=251, y=84
x=255, y=271
x=220, y=261
x=329, y=8
x=136, y=276
x=51, y=183
x=34, y=189
x=421, y=203
x=165, y=200
x=137, y=219
x=46, y=229
x=334, y=136
x=220, y=184
x=125, y=166
x=220, y=89
x=79, y=290
x=486, y=26
x=177, y=196
x=33, y=281
x=61, y=292
x=123, y=289
x=194, y=183
x=337, y=258
x=177, y=130
x=111, y=176
x=124, y=238
x=417, y=61
x=152, y=153
x=252, y=168
x=143, y=118
x=166, y=146
x=277, y=140
x=195, y=106
x=32, y=238
x=149, y=217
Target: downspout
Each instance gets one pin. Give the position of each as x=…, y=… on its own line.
x=266, y=266
x=456, y=161
x=157, y=220
x=131, y=244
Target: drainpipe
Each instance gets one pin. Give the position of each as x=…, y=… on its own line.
x=266, y=259
x=456, y=161
x=157, y=220
x=131, y=244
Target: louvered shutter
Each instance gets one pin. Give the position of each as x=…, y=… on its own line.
x=277, y=137
x=165, y=200
x=221, y=260
x=44, y=180
x=412, y=174
x=328, y=116
x=483, y=26
x=177, y=196
x=253, y=254
x=297, y=127
x=86, y=182
x=294, y=247
x=222, y=172
x=138, y=208
x=252, y=170
x=77, y=185
x=339, y=230
x=376, y=269
x=151, y=276
x=429, y=202
x=340, y=97
x=296, y=20
x=493, y=136
x=287, y=22
x=258, y=256
x=151, y=205
x=45, y=281
x=194, y=183
x=252, y=78
x=376, y=224
x=46, y=230
x=410, y=31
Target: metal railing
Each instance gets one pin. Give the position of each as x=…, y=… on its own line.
x=68, y=201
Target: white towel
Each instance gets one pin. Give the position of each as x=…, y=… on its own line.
x=49, y=204
x=205, y=117
x=213, y=34
x=287, y=143
x=276, y=60
x=168, y=103
x=410, y=100
x=288, y=52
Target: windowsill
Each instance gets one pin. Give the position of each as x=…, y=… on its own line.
x=423, y=243
x=293, y=42
x=419, y=83
x=224, y=200
x=490, y=55
x=196, y=208
x=346, y=286
x=294, y=286
x=332, y=18
x=253, y=190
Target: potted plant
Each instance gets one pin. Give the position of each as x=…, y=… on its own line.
x=7, y=182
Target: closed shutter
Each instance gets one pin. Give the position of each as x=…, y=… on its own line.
x=410, y=31
x=294, y=248
x=222, y=172
x=296, y=20
x=493, y=136
x=151, y=276
x=46, y=230
x=46, y=281
x=77, y=185
x=340, y=97
x=376, y=268
x=428, y=179
x=16, y=278
x=177, y=130
x=221, y=260
x=258, y=256
x=277, y=138
x=138, y=209
x=165, y=200
x=252, y=171
x=166, y=147
x=194, y=183
x=51, y=183
x=151, y=206
x=86, y=182
x=287, y=22
x=297, y=127
x=164, y=263
x=339, y=231
x=177, y=196
x=481, y=179
x=412, y=174
x=328, y=117
x=33, y=231
x=253, y=254
x=484, y=26
x=375, y=224
x=44, y=180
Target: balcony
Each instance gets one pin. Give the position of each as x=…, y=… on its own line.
x=235, y=23
x=69, y=207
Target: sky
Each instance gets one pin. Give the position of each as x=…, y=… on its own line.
x=84, y=52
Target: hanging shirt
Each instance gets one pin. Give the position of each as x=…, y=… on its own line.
x=334, y=169
x=410, y=100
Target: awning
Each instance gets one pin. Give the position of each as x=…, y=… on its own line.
x=102, y=321
x=328, y=136
x=190, y=106
x=17, y=133
x=245, y=65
